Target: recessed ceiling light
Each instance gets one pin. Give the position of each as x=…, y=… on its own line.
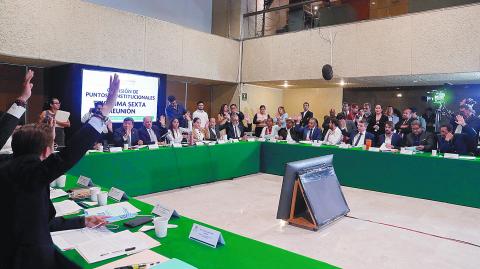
x=342, y=83
x=399, y=95
x=415, y=81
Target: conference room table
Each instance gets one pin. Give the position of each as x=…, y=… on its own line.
x=238, y=253
x=144, y=171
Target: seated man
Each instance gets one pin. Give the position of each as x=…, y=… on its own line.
x=150, y=134
x=455, y=143
x=126, y=134
x=357, y=139
x=333, y=135
x=420, y=139
x=288, y=133
x=311, y=131
x=270, y=131
x=213, y=130
x=26, y=200
x=346, y=126
x=234, y=128
x=390, y=139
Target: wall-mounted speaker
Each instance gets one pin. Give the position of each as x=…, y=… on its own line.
x=327, y=72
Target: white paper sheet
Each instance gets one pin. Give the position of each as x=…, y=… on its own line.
x=116, y=212
x=55, y=193
x=115, y=245
x=66, y=207
x=146, y=256
x=69, y=239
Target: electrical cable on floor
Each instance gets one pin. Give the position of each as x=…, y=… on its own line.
x=416, y=231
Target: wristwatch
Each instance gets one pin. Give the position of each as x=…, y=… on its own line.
x=21, y=103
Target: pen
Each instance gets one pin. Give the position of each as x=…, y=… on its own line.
x=116, y=251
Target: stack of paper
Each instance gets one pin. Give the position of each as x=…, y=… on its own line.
x=115, y=245
x=173, y=264
x=116, y=212
x=66, y=207
x=69, y=239
x=55, y=193
x=144, y=257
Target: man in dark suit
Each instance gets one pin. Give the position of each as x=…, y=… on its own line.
x=403, y=126
x=10, y=119
x=306, y=114
x=234, y=109
x=289, y=133
x=213, y=130
x=419, y=138
x=468, y=119
x=234, y=129
x=357, y=138
x=448, y=142
x=126, y=134
x=150, y=134
x=311, y=131
x=391, y=139
x=26, y=198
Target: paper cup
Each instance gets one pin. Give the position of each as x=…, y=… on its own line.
x=60, y=181
x=125, y=146
x=102, y=198
x=161, y=225
x=100, y=148
x=93, y=193
x=434, y=152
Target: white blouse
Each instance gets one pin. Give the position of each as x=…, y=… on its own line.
x=178, y=133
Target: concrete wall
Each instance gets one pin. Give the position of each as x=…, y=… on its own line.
x=195, y=14
x=439, y=41
x=75, y=31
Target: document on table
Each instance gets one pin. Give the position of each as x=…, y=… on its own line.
x=115, y=245
x=69, y=239
x=144, y=257
x=116, y=212
x=66, y=207
x=55, y=193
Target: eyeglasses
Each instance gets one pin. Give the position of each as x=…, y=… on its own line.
x=55, y=103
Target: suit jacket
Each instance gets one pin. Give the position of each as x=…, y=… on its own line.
x=353, y=134
x=213, y=135
x=426, y=139
x=8, y=122
x=26, y=200
x=306, y=116
x=145, y=136
x=118, y=137
x=404, y=132
x=305, y=132
x=396, y=140
x=230, y=131
x=294, y=134
x=460, y=143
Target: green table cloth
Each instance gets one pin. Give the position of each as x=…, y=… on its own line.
x=238, y=252
x=420, y=175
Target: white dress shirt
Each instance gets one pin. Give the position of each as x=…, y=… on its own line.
x=153, y=136
x=268, y=135
x=360, y=142
x=333, y=136
x=178, y=133
x=202, y=115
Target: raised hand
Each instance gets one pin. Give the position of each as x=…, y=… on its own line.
x=27, y=86
x=112, y=95
x=247, y=118
x=448, y=137
x=460, y=120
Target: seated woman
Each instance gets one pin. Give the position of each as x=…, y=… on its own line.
x=199, y=133
x=270, y=131
x=175, y=132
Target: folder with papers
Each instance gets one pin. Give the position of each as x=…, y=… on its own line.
x=66, y=207
x=69, y=239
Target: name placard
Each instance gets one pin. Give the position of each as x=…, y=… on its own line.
x=163, y=211
x=261, y=139
x=115, y=149
x=374, y=149
x=199, y=143
x=451, y=156
x=406, y=151
x=117, y=194
x=206, y=236
x=221, y=141
x=153, y=146
x=84, y=181
x=251, y=139
x=235, y=140
x=177, y=145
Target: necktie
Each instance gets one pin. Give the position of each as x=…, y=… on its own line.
x=311, y=133
x=358, y=139
x=213, y=134
x=235, y=131
x=153, y=137
x=129, y=140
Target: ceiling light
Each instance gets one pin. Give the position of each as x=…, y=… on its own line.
x=285, y=84
x=415, y=81
x=315, y=7
x=342, y=83
x=399, y=95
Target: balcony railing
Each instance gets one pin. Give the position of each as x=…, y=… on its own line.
x=274, y=18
